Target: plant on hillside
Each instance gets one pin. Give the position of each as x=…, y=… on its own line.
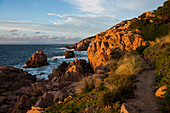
x=86, y=85
x=159, y=54
x=121, y=82
x=129, y=65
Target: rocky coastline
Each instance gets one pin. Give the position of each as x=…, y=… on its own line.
x=21, y=91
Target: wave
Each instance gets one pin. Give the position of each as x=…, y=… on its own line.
x=58, y=57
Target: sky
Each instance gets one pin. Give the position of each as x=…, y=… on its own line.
x=64, y=21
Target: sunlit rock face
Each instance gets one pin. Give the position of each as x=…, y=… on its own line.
x=38, y=59
x=116, y=37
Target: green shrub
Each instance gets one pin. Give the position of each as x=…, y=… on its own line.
x=141, y=48
x=116, y=53
x=110, y=97
x=151, y=31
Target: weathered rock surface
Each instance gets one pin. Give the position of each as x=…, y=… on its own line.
x=82, y=45
x=73, y=71
x=69, y=54
x=116, y=37
x=13, y=82
x=161, y=91
x=38, y=59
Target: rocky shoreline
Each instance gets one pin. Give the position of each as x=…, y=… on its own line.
x=20, y=90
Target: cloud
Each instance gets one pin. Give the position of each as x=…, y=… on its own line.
x=13, y=30
x=119, y=8
x=37, y=39
x=67, y=25
x=37, y=32
x=94, y=6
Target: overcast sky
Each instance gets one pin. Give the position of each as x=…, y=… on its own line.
x=64, y=21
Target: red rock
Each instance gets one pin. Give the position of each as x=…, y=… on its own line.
x=38, y=59
x=69, y=54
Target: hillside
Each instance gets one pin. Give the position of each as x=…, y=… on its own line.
x=120, y=73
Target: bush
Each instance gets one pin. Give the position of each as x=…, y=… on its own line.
x=129, y=65
x=110, y=97
x=116, y=53
x=86, y=85
x=141, y=48
x=151, y=31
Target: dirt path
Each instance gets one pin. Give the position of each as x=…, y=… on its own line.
x=145, y=101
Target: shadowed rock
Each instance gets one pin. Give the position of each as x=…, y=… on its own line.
x=69, y=54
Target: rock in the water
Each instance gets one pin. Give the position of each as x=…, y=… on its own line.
x=69, y=54
x=161, y=91
x=38, y=59
x=55, y=59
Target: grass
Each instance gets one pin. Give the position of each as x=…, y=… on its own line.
x=158, y=26
x=86, y=85
x=159, y=54
x=121, y=81
x=129, y=65
x=105, y=94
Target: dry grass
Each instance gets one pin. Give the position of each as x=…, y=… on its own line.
x=163, y=40
x=86, y=85
x=129, y=65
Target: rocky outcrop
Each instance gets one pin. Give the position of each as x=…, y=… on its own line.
x=13, y=82
x=38, y=59
x=43, y=93
x=82, y=45
x=73, y=71
x=116, y=37
x=69, y=54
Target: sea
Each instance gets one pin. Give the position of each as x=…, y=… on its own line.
x=17, y=55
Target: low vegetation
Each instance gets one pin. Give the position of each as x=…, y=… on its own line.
x=159, y=54
x=153, y=26
x=107, y=93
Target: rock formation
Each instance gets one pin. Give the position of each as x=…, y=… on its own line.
x=82, y=45
x=69, y=54
x=116, y=37
x=73, y=71
x=13, y=82
x=38, y=59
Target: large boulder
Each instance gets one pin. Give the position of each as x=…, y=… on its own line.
x=38, y=59
x=69, y=54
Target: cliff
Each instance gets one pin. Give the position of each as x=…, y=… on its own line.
x=127, y=35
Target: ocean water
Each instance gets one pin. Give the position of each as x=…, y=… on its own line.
x=17, y=55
